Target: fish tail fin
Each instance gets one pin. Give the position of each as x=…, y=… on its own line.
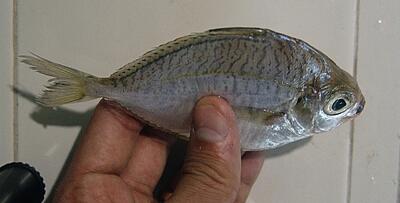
x=67, y=85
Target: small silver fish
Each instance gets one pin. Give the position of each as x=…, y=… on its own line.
x=281, y=88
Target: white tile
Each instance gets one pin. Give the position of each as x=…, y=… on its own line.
x=6, y=80
x=375, y=165
x=100, y=36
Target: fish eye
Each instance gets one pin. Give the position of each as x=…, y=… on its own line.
x=337, y=105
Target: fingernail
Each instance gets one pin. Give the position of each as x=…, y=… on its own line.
x=209, y=124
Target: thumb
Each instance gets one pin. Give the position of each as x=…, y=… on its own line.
x=211, y=172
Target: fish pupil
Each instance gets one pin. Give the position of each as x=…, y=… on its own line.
x=338, y=104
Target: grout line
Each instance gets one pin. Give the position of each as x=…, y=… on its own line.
x=356, y=39
x=352, y=126
x=350, y=163
x=15, y=82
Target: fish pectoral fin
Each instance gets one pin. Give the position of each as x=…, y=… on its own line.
x=258, y=115
x=272, y=118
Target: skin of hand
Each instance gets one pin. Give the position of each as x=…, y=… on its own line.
x=116, y=161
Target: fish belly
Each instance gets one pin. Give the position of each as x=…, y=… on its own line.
x=168, y=106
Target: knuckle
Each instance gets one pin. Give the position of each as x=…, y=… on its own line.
x=211, y=173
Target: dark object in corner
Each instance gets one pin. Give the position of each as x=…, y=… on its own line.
x=20, y=182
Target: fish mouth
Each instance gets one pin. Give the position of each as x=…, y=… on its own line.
x=360, y=107
x=358, y=110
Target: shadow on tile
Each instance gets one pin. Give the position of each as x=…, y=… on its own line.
x=64, y=117
x=55, y=116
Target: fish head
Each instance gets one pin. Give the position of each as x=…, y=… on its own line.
x=339, y=99
x=331, y=99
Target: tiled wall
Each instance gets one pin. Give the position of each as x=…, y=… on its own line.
x=358, y=162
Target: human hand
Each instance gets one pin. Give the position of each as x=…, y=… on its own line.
x=117, y=162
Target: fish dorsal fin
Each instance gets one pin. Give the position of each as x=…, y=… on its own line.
x=238, y=30
x=157, y=53
x=180, y=43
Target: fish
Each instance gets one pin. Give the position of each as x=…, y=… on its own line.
x=281, y=88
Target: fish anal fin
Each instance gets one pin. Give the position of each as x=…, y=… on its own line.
x=273, y=118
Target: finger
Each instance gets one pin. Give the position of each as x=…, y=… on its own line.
x=251, y=166
x=146, y=164
x=108, y=141
x=211, y=171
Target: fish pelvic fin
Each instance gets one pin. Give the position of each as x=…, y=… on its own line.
x=67, y=85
